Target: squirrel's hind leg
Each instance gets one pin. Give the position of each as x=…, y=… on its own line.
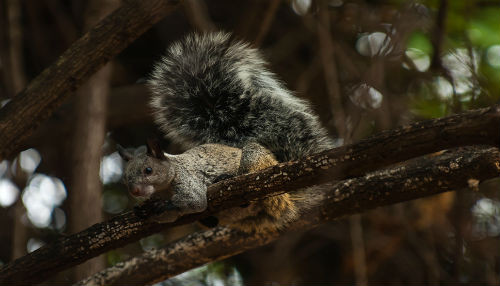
x=271, y=213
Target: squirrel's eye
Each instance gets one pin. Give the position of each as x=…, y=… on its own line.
x=148, y=170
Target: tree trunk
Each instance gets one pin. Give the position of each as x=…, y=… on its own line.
x=89, y=133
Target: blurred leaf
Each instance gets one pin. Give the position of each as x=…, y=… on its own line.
x=152, y=242
x=429, y=108
x=420, y=41
x=427, y=104
x=114, y=199
x=115, y=256
x=484, y=27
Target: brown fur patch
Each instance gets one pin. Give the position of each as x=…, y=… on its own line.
x=272, y=212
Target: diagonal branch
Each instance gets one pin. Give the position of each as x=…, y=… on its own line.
x=48, y=90
x=480, y=126
x=418, y=178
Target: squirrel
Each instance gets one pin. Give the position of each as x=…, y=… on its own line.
x=214, y=95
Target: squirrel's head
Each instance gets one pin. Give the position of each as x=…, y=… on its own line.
x=147, y=173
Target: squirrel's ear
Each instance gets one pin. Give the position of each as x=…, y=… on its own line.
x=154, y=149
x=124, y=153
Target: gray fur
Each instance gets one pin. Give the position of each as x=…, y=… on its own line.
x=210, y=89
x=179, y=178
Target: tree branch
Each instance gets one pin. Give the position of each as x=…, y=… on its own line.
x=475, y=127
x=418, y=178
x=47, y=91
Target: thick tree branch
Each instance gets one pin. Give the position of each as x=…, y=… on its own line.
x=419, y=178
x=47, y=91
x=476, y=127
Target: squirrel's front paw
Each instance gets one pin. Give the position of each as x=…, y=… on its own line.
x=158, y=210
x=168, y=216
x=152, y=207
x=170, y=213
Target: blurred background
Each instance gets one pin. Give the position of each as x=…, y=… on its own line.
x=365, y=66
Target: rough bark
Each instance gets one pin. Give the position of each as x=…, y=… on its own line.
x=47, y=91
x=476, y=127
x=435, y=174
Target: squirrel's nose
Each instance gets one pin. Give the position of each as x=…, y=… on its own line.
x=135, y=191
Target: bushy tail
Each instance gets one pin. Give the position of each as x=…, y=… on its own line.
x=211, y=89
